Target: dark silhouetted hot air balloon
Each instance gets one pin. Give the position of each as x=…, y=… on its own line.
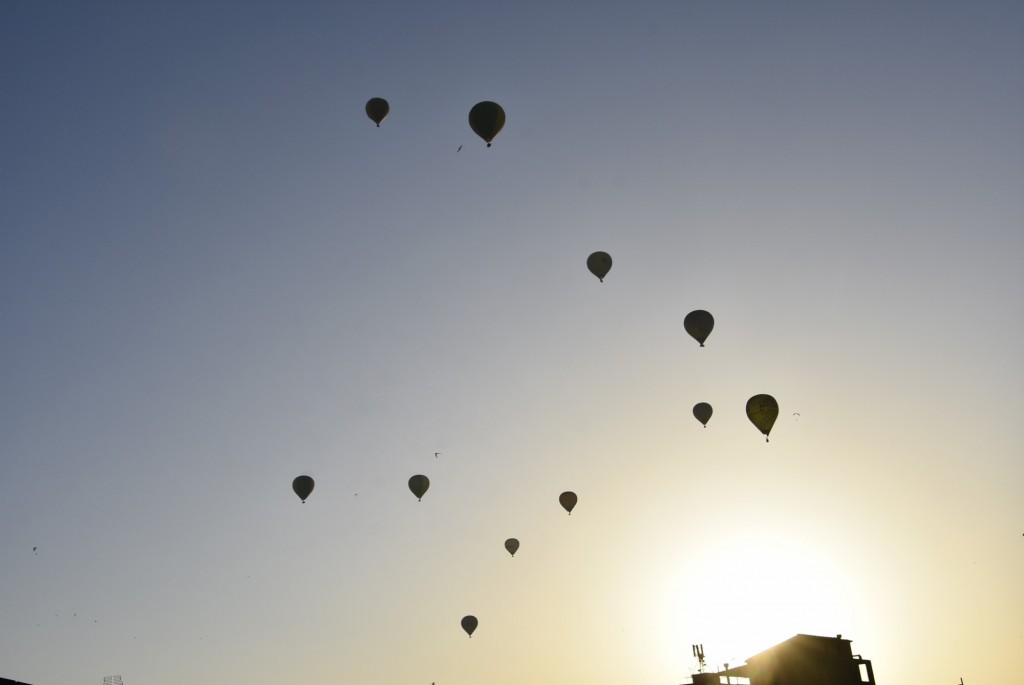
x=702, y=411
x=512, y=545
x=469, y=624
x=303, y=487
x=762, y=410
x=377, y=109
x=599, y=263
x=699, y=325
x=567, y=500
x=486, y=119
x=419, y=484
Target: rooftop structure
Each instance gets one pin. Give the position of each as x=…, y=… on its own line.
x=800, y=660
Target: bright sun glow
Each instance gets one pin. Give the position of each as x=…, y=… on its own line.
x=751, y=592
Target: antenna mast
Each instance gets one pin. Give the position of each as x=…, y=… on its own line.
x=698, y=653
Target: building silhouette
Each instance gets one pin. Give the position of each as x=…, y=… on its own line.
x=800, y=660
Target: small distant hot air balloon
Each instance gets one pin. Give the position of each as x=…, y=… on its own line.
x=377, y=109
x=512, y=545
x=567, y=500
x=303, y=487
x=486, y=119
x=469, y=624
x=762, y=410
x=599, y=263
x=699, y=325
x=419, y=484
x=702, y=412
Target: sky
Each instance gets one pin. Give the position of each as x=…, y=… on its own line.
x=216, y=274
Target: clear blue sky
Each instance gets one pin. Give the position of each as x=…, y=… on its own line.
x=216, y=274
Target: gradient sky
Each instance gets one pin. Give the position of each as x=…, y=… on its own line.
x=216, y=274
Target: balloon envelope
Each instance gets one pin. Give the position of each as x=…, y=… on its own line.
x=512, y=545
x=419, y=484
x=486, y=119
x=599, y=263
x=469, y=624
x=567, y=500
x=702, y=412
x=699, y=325
x=303, y=487
x=762, y=410
x=377, y=109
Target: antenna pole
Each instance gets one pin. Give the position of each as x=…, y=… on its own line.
x=698, y=653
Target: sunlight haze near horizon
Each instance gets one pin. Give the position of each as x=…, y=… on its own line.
x=217, y=274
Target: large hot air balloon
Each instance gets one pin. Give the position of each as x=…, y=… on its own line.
x=512, y=545
x=303, y=487
x=702, y=412
x=599, y=263
x=486, y=119
x=699, y=324
x=567, y=500
x=469, y=624
x=419, y=484
x=762, y=410
x=377, y=109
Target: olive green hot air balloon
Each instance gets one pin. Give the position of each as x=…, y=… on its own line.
x=599, y=263
x=469, y=624
x=512, y=545
x=419, y=484
x=762, y=410
x=702, y=412
x=699, y=325
x=377, y=109
x=303, y=487
x=567, y=500
x=486, y=119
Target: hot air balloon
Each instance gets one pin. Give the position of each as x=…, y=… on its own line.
x=512, y=545
x=377, y=109
x=699, y=325
x=486, y=119
x=419, y=484
x=762, y=410
x=303, y=486
x=469, y=624
x=599, y=263
x=567, y=500
x=702, y=412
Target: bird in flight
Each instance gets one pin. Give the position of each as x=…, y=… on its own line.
x=460, y=149
x=435, y=454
